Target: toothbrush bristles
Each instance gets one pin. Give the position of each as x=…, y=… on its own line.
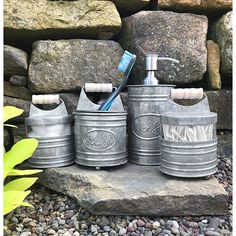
x=125, y=62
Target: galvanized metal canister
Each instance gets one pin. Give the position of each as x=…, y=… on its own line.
x=100, y=136
x=53, y=130
x=189, y=141
x=144, y=106
x=189, y=159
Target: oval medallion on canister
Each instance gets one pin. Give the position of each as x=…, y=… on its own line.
x=144, y=106
x=100, y=138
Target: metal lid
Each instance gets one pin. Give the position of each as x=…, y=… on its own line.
x=188, y=118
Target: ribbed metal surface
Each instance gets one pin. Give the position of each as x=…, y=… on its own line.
x=189, y=159
x=56, y=148
x=100, y=138
x=144, y=105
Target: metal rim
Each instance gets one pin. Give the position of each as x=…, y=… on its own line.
x=158, y=85
x=187, y=144
x=52, y=120
x=99, y=113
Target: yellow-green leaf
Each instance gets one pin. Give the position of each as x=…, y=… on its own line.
x=11, y=112
x=27, y=204
x=10, y=125
x=13, y=199
x=21, y=151
x=20, y=184
x=15, y=172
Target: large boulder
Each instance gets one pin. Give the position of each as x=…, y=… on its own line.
x=18, y=80
x=132, y=5
x=196, y=5
x=65, y=65
x=15, y=91
x=41, y=19
x=213, y=65
x=15, y=61
x=178, y=35
x=221, y=102
x=222, y=33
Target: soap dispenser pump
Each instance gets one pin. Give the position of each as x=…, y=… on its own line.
x=151, y=67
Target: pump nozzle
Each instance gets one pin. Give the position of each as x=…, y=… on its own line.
x=151, y=66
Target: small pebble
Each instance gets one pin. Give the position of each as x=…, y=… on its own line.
x=174, y=230
x=122, y=231
x=66, y=234
x=51, y=232
x=25, y=234
x=192, y=224
x=225, y=232
x=140, y=223
x=156, y=225
x=107, y=228
x=212, y=233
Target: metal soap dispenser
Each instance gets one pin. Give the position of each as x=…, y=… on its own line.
x=144, y=105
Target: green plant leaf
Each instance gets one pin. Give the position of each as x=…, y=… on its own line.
x=11, y=112
x=20, y=184
x=20, y=152
x=13, y=199
x=10, y=125
x=15, y=172
x=27, y=204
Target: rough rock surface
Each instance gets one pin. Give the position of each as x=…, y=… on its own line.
x=16, y=91
x=188, y=5
x=20, y=103
x=224, y=148
x=39, y=19
x=222, y=33
x=134, y=189
x=213, y=65
x=221, y=102
x=178, y=35
x=131, y=4
x=65, y=65
x=18, y=80
x=15, y=61
x=71, y=101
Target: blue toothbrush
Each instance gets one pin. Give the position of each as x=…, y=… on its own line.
x=125, y=66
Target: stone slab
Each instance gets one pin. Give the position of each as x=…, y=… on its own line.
x=32, y=20
x=132, y=190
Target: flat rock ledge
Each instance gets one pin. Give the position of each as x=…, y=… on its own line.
x=132, y=190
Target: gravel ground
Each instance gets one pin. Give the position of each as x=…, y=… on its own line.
x=56, y=214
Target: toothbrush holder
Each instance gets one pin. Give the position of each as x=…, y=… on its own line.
x=100, y=136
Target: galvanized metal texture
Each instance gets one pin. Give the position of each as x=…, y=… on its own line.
x=100, y=136
x=144, y=106
x=189, y=159
x=53, y=129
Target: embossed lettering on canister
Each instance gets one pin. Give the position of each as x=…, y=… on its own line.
x=144, y=105
x=147, y=126
x=100, y=138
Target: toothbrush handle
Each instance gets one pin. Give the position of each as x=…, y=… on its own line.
x=108, y=102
